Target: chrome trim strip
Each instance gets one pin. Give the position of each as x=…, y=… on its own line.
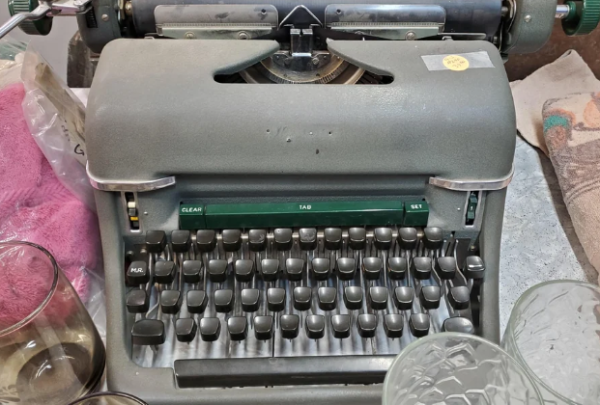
x=131, y=186
x=473, y=185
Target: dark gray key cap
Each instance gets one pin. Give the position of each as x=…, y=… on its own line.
x=357, y=238
x=458, y=324
x=433, y=238
x=170, y=301
x=156, y=241
x=353, y=297
x=191, y=271
x=474, y=268
x=372, y=267
x=283, y=238
x=257, y=239
x=137, y=273
x=137, y=301
x=164, y=272
x=196, y=301
x=224, y=300
x=250, y=299
x=232, y=239
x=320, y=268
x=244, y=270
x=294, y=268
x=419, y=324
x=210, y=329
x=393, y=324
x=378, y=297
x=341, y=325
x=263, y=327
x=308, y=238
x=185, y=329
x=383, y=238
x=206, y=239
x=459, y=297
x=315, y=326
x=148, y=332
x=421, y=268
x=289, y=325
x=327, y=298
x=407, y=238
x=333, y=238
x=180, y=240
x=269, y=269
x=403, y=297
x=217, y=270
x=276, y=299
x=397, y=267
x=237, y=327
x=302, y=297
x=346, y=268
x=367, y=324
x=430, y=296
x=445, y=267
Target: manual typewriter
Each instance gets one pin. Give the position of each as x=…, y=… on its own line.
x=288, y=194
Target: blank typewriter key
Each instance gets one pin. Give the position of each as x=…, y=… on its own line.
x=407, y=238
x=185, y=329
x=320, y=268
x=294, y=268
x=289, y=324
x=459, y=297
x=269, y=269
x=156, y=241
x=217, y=270
x=372, y=267
x=283, y=238
x=378, y=297
x=244, y=270
x=421, y=268
x=302, y=296
x=419, y=324
x=210, y=329
x=276, y=299
x=474, y=268
x=137, y=274
x=237, y=327
x=346, y=268
x=433, y=238
x=250, y=299
x=353, y=297
x=196, y=301
x=315, y=326
x=137, y=301
x=170, y=301
x=206, y=239
x=445, y=267
x=327, y=298
x=224, y=300
x=164, y=272
x=357, y=238
x=180, y=240
x=393, y=324
x=148, y=332
x=263, y=327
x=430, y=296
x=397, y=267
x=458, y=324
x=341, y=325
x=191, y=271
x=308, y=238
x=403, y=297
x=383, y=238
x=333, y=238
x=257, y=239
x=367, y=324
x=232, y=239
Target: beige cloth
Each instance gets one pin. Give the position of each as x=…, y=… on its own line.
x=567, y=75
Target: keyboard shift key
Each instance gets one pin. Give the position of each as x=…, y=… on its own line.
x=474, y=268
x=308, y=238
x=137, y=274
x=191, y=271
x=302, y=296
x=196, y=301
x=397, y=267
x=223, y=300
x=210, y=329
x=181, y=241
x=217, y=270
x=357, y=238
x=294, y=268
x=156, y=241
x=421, y=268
x=185, y=329
x=372, y=267
x=244, y=270
x=327, y=298
x=407, y=238
x=346, y=268
x=419, y=324
x=458, y=324
x=232, y=239
x=137, y=301
x=283, y=238
x=164, y=271
x=393, y=324
x=269, y=269
x=353, y=297
x=206, y=240
x=250, y=299
x=237, y=327
x=383, y=238
x=459, y=297
x=430, y=296
x=445, y=267
x=367, y=324
x=333, y=238
x=404, y=297
x=257, y=239
x=289, y=325
x=263, y=327
x=276, y=299
x=341, y=325
x=315, y=326
x=379, y=297
x=148, y=332
x=320, y=268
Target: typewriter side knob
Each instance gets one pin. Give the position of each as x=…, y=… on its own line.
x=580, y=17
x=30, y=27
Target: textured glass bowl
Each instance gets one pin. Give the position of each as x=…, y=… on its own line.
x=457, y=369
x=109, y=398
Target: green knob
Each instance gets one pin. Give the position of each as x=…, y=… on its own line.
x=37, y=27
x=583, y=17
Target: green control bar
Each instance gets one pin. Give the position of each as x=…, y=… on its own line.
x=303, y=214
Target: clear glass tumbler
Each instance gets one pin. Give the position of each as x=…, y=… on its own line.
x=554, y=331
x=50, y=350
x=109, y=398
x=457, y=369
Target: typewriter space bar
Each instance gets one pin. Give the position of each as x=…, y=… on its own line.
x=312, y=370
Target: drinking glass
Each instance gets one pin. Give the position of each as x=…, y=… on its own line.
x=109, y=398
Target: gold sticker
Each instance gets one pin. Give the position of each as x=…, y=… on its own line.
x=456, y=63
